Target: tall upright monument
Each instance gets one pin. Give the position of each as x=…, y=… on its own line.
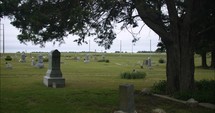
x=53, y=76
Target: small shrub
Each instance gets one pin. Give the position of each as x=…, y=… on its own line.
x=8, y=58
x=107, y=61
x=103, y=60
x=205, y=84
x=159, y=87
x=133, y=75
x=161, y=60
x=203, y=93
x=45, y=60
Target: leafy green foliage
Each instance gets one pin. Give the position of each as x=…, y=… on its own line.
x=159, y=87
x=161, y=60
x=45, y=60
x=44, y=20
x=203, y=93
x=133, y=75
x=8, y=58
x=104, y=60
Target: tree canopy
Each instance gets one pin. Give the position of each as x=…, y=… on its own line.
x=177, y=22
x=50, y=20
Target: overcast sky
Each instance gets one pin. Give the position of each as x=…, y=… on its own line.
x=12, y=44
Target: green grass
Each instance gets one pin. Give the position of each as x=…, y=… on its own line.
x=90, y=87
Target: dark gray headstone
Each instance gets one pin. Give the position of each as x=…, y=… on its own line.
x=126, y=96
x=53, y=76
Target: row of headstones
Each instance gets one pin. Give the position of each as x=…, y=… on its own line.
x=39, y=63
x=148, y=63
x=87, y=58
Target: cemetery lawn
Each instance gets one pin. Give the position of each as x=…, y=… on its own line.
x=90, y=87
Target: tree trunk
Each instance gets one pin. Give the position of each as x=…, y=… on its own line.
x=178, y=40
x=213, y=59
x=172, y=69
x=186, y=77
x=180, y=68
x=204, y=60
x=180, y=62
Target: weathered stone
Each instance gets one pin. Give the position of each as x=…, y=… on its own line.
x=158, y=110
x=123, y=112
x=40, y=62
x=126, y=96
x=192, y=102
x=8, y=65
x=87, y=58
x=53, y=76
x=146, y=91
x=33, y=62
x=23, y=56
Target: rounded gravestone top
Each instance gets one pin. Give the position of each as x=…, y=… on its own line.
x=55, y=52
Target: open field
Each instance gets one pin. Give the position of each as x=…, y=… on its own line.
x=90, y=87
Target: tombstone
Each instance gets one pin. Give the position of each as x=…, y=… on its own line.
x=146, y=62
x=40, y=62
x=78, y=58
x=23, y=56
x=149, y=63
x=87, y=58
x=8, y=65
x=15, y=56
x=158, y=110
x=95, y=58
x=103, y=57
x=53, y=76
x=126, y=96
x=33, y=62
x=192, y=102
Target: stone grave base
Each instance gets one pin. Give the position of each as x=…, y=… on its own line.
x=123, y=112
x=55, y=82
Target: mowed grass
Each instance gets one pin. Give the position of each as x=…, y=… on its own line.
x=90, y=87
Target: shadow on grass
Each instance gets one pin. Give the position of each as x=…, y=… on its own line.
x=146, y=103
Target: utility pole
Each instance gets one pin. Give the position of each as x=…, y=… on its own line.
x=3, y=40
x=120, y=48
x=89, y=46
x=0, y=38
x=132, y=47
x=150, y=46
